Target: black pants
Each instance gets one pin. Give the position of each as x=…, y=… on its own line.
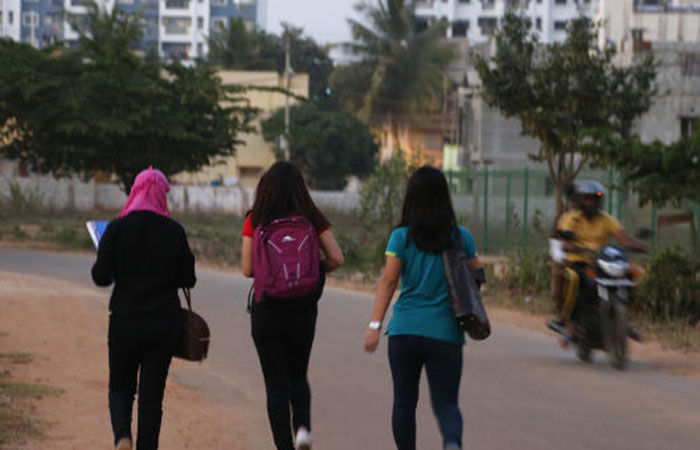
x=443, y=364
x=283, y=332
x=586, y=288
x=144, y=346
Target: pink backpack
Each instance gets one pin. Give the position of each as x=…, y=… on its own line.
x=286, y=259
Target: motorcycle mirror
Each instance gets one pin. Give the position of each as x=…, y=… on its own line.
x=643, y=234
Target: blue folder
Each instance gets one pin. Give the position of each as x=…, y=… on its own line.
x=96, y=228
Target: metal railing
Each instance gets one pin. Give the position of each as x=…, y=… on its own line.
x=510, y=210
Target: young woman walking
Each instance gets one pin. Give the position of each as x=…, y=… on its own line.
x=422, y=331
x=147, y=257
x=283, y=328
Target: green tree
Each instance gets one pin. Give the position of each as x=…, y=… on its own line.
x=236, y=47
x=400, y=74
x=328, y=145
x=103, y=108
x=570, y=96
x=661, y=173
x=381, y=200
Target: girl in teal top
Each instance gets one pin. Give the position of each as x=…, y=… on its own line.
x=422, y=331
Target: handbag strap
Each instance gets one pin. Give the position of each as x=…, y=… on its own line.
x=188, y=298
x=458, y=239
x=249, y=306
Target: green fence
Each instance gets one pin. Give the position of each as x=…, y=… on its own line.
x=509, y=210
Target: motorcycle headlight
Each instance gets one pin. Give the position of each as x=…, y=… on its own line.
x=613, y=269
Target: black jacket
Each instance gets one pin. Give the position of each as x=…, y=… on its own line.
x=148, y=258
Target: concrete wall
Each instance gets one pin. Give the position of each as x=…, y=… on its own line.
x=75, y=194
x=678, y=94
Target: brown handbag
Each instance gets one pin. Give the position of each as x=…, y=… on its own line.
x=194, y=343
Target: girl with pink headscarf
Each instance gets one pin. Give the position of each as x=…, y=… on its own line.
x=147, y=256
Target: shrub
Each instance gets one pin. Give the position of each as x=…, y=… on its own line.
x=671, y=289
x=529, y=272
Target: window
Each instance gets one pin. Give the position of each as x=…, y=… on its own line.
x=10, y=17
x=464, y=1
x=690, y=64
x=538, y=23
x=488, y=4
x=177, y=4
x=487, y=25
x=218, y=2
x=177, y=25
x=200, y=49
x=689, y=125
x=560, y=2
x=200, y=23
x=460, y=28
x=30, y=19
x=218, y=23
x=249, y=171
x=560, y=25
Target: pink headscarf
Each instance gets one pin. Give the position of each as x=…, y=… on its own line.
x=149, y=193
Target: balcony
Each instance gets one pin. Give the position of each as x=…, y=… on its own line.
x=177, y=4
x=177, y=26
x=665, y=6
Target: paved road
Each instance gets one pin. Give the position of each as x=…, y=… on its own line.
x=518, y=390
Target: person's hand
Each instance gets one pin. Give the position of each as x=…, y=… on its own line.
x=371, y=340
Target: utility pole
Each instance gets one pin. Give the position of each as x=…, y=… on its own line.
x=288, y=85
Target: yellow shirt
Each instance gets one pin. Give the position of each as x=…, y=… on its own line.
x=591, y=234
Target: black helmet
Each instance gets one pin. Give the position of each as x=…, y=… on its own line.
x=588, y=188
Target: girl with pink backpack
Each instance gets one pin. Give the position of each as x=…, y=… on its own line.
x=283, y=237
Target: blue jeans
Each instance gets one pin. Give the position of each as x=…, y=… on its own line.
x=443, y=365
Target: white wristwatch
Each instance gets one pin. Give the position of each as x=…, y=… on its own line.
x=374, y=325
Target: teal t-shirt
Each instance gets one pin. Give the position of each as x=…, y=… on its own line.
x=423, y=307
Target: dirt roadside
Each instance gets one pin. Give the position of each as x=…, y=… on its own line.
x=64, y=326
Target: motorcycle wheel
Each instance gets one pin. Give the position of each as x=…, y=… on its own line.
x=584, y=352
x=615, y=335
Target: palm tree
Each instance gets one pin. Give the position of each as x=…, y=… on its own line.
x=400, y=72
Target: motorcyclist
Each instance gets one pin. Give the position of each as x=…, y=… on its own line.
x=585, y=229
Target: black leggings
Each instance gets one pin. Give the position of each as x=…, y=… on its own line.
x=140, y=346
x=283, y=332
x=443, y=365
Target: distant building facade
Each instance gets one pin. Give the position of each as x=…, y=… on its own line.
x=177, y=29
x=478, y=20
x=255, y=155
x=626, y=21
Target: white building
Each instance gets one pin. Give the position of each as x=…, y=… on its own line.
x=478, y=19
x=177, y=29
x=10, y=18
x=649, y=20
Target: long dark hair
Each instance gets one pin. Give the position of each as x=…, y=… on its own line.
x=427, y=210
x=282, y=192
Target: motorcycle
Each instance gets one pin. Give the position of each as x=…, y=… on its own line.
x=601, y=319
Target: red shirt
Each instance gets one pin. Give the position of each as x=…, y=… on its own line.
x=248, y=228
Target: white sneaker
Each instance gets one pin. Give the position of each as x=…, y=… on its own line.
x=303, y=439
x=124, y=444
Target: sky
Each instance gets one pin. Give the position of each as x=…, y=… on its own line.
x=324, y=20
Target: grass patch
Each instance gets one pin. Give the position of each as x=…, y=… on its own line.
x=673, y=334
x=28, y=390
x=16, y=357
x=16, y=423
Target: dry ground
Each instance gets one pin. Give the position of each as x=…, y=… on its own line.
x=64, y=327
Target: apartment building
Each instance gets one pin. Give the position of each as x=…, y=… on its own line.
x=626, y=21
x=177, y=29
x=477, y=20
